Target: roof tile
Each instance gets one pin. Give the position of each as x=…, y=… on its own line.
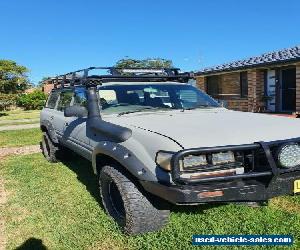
x=266, y=58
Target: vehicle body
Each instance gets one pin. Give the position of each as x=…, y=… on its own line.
x=155, y=140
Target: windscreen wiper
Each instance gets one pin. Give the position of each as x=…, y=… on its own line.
x=198, y=106
x=138, y=110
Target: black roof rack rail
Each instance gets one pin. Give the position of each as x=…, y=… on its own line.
x=82, y=76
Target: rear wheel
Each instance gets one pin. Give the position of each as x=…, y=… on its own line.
x=49, y=149
x=123, y=201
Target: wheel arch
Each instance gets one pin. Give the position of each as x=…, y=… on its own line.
x=110, y=152
x=47, y=127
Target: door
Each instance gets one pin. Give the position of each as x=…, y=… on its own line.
x=288, y=89
x=65, y=98
x=76, y=133
x=271, y=90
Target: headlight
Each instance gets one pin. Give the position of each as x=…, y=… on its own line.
x=222, y=158
x=163, y=159
x=289, y=156
x=191, y=161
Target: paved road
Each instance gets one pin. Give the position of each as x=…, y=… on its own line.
x=18, y=127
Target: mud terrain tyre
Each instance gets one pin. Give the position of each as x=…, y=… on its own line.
x=125, y=202
x=49, y=149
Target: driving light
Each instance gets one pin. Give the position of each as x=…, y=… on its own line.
x=191, y=161
x=289, y=156
x=163, y=159
x=223, y=158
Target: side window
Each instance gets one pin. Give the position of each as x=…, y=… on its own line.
x=213, y=86
x=64, y=100
x=244, y=84
x=52, y=99
x=80, y=98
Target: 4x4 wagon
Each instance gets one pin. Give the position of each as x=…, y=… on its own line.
x=154, y=140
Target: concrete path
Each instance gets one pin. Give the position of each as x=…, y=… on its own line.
x=18, y=127
x=20, y=121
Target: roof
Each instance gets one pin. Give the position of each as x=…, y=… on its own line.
x=275, y=57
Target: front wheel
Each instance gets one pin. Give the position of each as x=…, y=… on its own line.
x=123, y=201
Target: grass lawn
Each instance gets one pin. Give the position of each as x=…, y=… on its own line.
x=59, y=205
x=19, y=114
x=14, y=138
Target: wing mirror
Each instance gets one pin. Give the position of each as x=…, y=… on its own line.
x=75, y=111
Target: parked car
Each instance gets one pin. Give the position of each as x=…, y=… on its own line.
x=155, y=140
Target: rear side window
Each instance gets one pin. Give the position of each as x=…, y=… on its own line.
x=64, y=100
x=52, y=99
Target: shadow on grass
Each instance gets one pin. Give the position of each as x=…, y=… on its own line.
x=83, y=169
x=3, y=114
x=32, y=243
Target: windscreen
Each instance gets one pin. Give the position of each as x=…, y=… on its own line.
x=140, y=97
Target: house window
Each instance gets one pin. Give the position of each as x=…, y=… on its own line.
x=244, y=84
x=212, y=86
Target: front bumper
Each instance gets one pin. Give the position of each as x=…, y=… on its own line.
x=262, y=180
x=234, y=191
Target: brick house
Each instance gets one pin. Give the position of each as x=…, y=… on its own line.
x=266, y=83
x=47, y=85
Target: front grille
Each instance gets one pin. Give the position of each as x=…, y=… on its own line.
x=258, y=161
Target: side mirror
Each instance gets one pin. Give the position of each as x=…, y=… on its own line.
x=75, y=111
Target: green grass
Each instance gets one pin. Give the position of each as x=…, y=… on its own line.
x=59, y=205
x=19, y=114
x=14, y=138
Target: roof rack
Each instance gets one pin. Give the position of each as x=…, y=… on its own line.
x=83, y=78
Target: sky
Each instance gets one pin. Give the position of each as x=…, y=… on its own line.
x=52, y=37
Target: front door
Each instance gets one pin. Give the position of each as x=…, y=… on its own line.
x=59, y=119
x=288, y=89
x=76, y=133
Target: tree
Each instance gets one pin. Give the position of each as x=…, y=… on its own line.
x=13, y=78
x=145, y=63
x=34, y=100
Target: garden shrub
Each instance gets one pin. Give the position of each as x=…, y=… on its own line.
x=34, y=100
x=7, y=101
